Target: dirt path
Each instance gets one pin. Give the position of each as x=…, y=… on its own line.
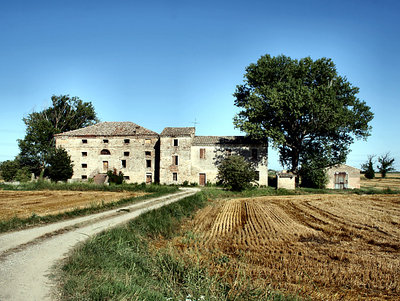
x=27, y=256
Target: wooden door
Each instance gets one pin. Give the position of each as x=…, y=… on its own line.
x=341, y=180
x=202, y=179
x=149, y=179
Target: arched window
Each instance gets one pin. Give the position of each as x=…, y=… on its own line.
x=105, y=152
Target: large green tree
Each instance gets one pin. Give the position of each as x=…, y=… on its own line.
x=65, y=114
x=308, y=111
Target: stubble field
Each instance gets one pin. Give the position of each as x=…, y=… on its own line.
x=23, y=204
x=327, y=247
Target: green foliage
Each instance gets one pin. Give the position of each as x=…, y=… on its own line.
x=114, y=177
x=9, y=169
x=368, y=168
x=23, y=174
x=313, y=175
x=59, y=166
x=235, y=173
x=303, y=106
x=65, y=114
x=386, y=164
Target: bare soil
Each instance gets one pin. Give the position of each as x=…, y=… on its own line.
x=327, y=247
x=24, y=203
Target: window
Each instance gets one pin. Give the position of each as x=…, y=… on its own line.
x=105, y=152
x=175, y=176
x=105, y=140
x=105, y=165
x=123, y=162
x=202, y=153
x=84, y=154
x=126, y=154
x=254, y=154
x=147, y=154
x=175, y=160
x=126, y=177
x=147, y=141
x=84, y=165
x=84, y=141
x=175, y=142
x=84, y=177
x=148, y=163
x=257, y=177
x=126, y=141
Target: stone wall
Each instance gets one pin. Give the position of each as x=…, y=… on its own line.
x=353, y=176
x=128, y=154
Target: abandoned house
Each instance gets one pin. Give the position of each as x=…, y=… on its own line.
x=343, y=176
x=172, y=157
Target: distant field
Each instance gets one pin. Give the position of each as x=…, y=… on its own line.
x=326, y=247
x=23, y=203
x=391, y=181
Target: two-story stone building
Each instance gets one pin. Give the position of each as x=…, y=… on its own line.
x=173, y=157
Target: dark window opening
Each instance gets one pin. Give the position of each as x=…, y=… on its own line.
x=105, y=152
x=84, y=165
x=123, y=162
x=228, y=152
x=126, y=154
x=175, y=160
x=148, y=163
x=84, y=140
x=175, y=142
x=105, y=140
x=126, y=177
x=174, y=176
x=84, y=154
x=257, y=177
x=126, y=141
x=202, y=153
x=84, y=177
x=147, y=154
x=254, y=154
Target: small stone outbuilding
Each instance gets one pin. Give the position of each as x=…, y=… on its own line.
x=343, y=176
x=285, y=180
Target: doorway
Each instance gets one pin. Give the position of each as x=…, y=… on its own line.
x=341, y=180
x=202, y=179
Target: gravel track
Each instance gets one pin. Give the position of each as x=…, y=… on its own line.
x=28, y=256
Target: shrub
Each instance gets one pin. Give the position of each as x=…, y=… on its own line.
x=9, y=169
x=60, y=167
x=23, y=174
x=115, y=178
x=235, y=173
x=313, y=176
x=368, y=168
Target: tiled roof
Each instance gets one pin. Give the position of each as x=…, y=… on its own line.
x=111, y=129
x=215, y=140
x=176, y=132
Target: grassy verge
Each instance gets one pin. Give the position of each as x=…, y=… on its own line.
x=123, y=264
x=17, y=223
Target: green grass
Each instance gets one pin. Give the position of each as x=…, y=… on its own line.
x=119, y=264
x=17, y=223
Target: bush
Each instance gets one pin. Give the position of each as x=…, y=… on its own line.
x=23, y=174
x=115, y=178
x=9, y=169
x=368, y=168
x=313, y=176
x=60, y=167
x=235, y=173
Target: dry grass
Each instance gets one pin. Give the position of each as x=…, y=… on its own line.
x=23, y=203
x=392, y=181
x=328, y=247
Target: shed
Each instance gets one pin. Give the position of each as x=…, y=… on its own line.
x=286, y=180
x=343, y=176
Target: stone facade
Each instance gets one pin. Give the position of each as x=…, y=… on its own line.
x=173, y=157
x=343, y=176
x=286, y=180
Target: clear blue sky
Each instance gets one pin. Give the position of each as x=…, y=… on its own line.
x=167, y=63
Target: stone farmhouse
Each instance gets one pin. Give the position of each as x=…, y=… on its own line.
x=172, y=157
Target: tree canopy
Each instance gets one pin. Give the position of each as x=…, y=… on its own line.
x=386, y=166
x=65, y=114
x=308, y=111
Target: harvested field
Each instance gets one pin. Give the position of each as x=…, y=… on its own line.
x=392, y=181
x=23, y=203
x=327, y=247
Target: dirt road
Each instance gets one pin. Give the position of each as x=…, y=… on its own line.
x=27, y=256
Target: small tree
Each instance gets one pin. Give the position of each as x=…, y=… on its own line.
x=386, y=164
x=368, y=168
x=235, y=173
x=60, y=167
x=313, y=175
x=9, y=169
